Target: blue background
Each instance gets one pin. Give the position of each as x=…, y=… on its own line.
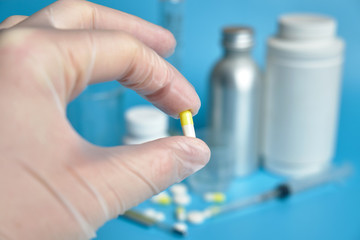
x=330, y=212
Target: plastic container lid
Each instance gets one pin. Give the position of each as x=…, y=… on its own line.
x=146, y=122
x=307, y=37
x=306, y=27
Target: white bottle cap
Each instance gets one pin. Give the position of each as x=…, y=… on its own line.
x=145, y=123
x=304, y=37
x=306, y=27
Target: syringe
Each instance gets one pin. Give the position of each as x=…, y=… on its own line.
x=282, y=190
x=146, y=221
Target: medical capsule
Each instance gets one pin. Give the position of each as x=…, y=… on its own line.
x=187, y=123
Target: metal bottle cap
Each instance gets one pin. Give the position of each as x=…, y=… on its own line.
x=238, y=37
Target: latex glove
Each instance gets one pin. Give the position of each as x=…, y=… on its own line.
x=54, y=184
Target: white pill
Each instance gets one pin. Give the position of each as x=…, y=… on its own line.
x=160, y=216
x=179, y=188
x=181, y=227
x=182, y=199
x=150, y=212
x=156, y=215
x=196, y=217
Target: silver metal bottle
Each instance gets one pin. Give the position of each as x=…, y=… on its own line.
x=234, y=107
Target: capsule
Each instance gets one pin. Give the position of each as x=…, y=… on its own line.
x=215, y=197
x=180, y=213
x=162, y=198
x=187, y=123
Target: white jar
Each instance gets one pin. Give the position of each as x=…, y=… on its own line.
x=302, y=90
x=145, y=123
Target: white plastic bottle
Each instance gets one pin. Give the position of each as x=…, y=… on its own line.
x=302, y=82
x=145, y=123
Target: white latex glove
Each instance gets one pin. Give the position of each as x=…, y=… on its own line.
x=54, y=184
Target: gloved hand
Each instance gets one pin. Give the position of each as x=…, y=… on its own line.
x=54, y=184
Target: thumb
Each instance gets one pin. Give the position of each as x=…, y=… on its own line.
x=128, y=175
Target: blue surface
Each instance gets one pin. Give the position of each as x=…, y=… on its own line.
x=328, y=212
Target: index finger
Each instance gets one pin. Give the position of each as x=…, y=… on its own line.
x=87, y=15
x=70, y=60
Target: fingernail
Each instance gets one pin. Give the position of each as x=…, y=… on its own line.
x=170, y=52
x=172, y=44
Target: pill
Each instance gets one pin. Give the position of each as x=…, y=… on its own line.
x=159, y=216
x=181, y=227
x=182, y=199
x=178, y=189
x=150, y=212
x=162, y=198
x=187, y=123
x=215, y=197
x=180, y=213
x=156, y=215
x=196, y=217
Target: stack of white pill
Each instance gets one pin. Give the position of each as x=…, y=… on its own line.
x=180, y=194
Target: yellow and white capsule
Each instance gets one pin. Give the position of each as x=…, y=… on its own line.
x=180, y=213
x=187, y=123
x=215, y=197
x=162, y=198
